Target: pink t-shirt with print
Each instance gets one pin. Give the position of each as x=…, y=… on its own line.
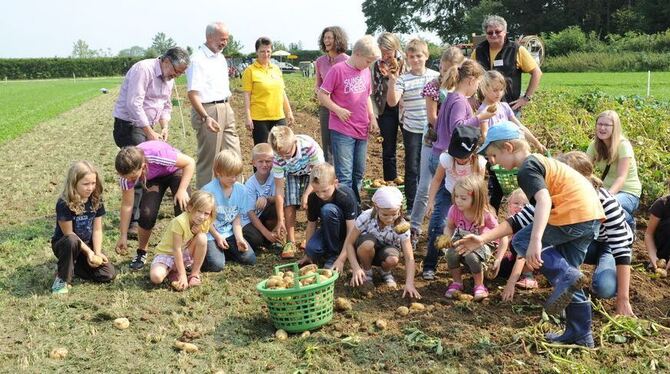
x=349, y=88
x=460, y=221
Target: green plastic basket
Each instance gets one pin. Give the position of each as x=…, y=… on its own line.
x=506, y=179
x=300, y=308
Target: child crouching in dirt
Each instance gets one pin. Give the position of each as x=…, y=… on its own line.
x=470, y=214
x=376, y=240
x=184, y=244
x=77, y=239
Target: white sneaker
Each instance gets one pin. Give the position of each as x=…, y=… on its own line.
x=387, y=276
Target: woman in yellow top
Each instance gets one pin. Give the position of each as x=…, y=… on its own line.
x=265, y=100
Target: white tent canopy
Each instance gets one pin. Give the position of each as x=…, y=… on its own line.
x=280, y=53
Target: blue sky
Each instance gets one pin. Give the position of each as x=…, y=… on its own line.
x=47, y=28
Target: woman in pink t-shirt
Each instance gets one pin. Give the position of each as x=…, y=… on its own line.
x=333, y=42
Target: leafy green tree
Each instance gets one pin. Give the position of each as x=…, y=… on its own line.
x=390, y=15
x=134, y=51
x=159, y=44
x=80, y=49
x=294, y=47
x=234, y=47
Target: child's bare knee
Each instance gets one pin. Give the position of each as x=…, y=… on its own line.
x=391, y=261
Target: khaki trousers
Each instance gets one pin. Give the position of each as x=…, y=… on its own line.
x=211, y=143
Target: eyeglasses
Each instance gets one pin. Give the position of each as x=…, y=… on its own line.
x=177, y=72
x=604, y=125
x=496, y=32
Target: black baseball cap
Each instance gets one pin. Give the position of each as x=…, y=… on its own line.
x=464, y=141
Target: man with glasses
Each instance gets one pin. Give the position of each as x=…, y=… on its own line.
x=212, y=116
x=510, y=59
x=144, y=100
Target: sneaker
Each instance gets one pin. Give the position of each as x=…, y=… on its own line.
x=414, y=234
x=288, y=252
x=481, y=292
x=454, y=287
x=387, y=276
x=133, y=230
x=60, y=287
x=428, y=275
x=527, y=283
x=138, y=262
x=368, y=275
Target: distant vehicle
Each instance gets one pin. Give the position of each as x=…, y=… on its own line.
x=287, y=67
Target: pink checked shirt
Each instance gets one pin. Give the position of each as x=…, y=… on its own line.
x=145, y=96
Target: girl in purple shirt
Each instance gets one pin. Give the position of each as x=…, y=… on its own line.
x=158, y=166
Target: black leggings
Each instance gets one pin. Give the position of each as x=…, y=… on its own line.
x=72, y=260
x=262, y=129
x=662, y=239
x=153, y=195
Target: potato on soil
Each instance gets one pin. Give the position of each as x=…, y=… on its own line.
x=417, y=307
x=465, y=297
x=402, y=310
x=661, y=263
x=186, y=347
x=381, y=324
x=662, y=272
x=380, y=139
x=121, y=323
x=58, y=353
x=281, y=334
x=443, y=241
x=402, y=227
x=342, y=304
x=305, y=334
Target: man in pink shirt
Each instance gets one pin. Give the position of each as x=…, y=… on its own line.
x=143, y=101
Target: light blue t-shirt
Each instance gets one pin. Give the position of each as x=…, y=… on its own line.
x=227, y=208
x=254, y=191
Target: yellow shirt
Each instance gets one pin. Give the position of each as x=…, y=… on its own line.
x=524, y=60
x=180, y=225
x=266, y=87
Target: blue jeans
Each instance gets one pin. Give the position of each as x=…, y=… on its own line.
x=629, y=203
x=215, y=259
x=349, y=157
x=421, y=197
x=604, y=281
x=572, y=241
x=412, y=142
x=326, y=242
x=437, y=219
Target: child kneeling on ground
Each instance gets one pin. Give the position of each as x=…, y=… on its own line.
x=225, y=240
x=470, y=214
x=77, y=239
x=336, y=207
x=260, y=217
x=184, y=244
x=374, y=240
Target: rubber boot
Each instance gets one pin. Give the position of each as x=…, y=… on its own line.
x=566, y=280
x=577, y=326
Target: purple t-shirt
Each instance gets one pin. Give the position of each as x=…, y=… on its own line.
x=349, y=88
x=323, y=65
x=504, y=113
x=161, y=160
x=455, y=111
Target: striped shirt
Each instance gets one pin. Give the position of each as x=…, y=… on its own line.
x=161, y=160
x=366, y=223
x=308, y=153
x=413, y=116
x=614, y=230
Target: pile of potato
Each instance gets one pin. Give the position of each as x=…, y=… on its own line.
x=286, y=279
x=376, y=183
x=660, y=268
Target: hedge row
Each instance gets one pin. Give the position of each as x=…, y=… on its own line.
x=621, y=62
x=45, y=68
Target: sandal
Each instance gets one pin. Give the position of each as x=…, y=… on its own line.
x=454, y=288
x=288, y=251
x=194, y=280
x=481, y=292
x=527, y=283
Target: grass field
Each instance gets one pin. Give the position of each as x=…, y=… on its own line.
x=24, y=104
x=610, y=83
x=226, y=316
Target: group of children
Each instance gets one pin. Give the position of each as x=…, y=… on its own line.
x=561, y=217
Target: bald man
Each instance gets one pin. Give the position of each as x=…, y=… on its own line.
x=212, y=116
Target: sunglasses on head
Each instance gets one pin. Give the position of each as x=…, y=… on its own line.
x=496, y=32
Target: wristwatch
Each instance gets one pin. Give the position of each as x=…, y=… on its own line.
x=527, y=97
